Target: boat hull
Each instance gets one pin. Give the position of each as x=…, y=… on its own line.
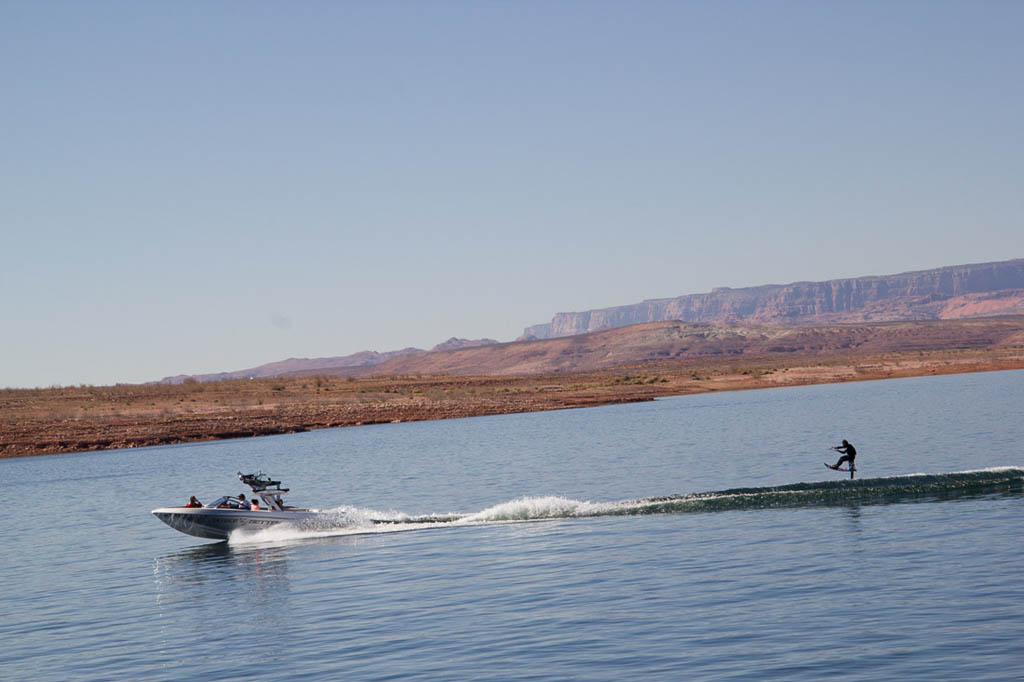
x=218, y=524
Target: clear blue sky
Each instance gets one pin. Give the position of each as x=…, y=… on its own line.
x=191, y=187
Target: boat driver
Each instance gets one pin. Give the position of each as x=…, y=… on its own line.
x=242, y=502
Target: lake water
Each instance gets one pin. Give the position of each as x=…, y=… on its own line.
x=581, y=552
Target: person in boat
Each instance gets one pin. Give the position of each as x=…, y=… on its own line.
x=848, y=452
x=193, y=502
x=242, y=502
x=255, y=505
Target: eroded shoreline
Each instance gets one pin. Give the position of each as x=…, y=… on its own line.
x=87, y=418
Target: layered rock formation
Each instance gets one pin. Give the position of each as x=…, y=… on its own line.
x=942, y=293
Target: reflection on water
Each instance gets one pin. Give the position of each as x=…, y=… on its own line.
x=225, y=593
x=256, y=576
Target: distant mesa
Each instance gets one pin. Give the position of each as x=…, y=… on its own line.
x=943, y=293
x=797, y=317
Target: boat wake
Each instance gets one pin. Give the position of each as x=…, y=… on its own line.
x=884, y=490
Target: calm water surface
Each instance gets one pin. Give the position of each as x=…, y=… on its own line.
x=560, y=577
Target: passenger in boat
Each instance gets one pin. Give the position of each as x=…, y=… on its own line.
x=848, y=452
x=255, y=505
x=193, y=502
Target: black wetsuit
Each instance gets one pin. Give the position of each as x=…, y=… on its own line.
x=849, y=454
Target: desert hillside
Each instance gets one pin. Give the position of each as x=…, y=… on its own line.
x=71, y=419
x=660, y=341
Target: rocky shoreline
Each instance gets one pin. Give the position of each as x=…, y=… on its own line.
x=86, y=418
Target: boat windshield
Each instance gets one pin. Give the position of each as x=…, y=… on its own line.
x=228, y=502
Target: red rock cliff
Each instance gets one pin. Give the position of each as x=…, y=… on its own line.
x=950, y=292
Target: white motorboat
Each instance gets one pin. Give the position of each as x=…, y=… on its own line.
x=218, y=519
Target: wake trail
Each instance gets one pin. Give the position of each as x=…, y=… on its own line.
x=885, y=490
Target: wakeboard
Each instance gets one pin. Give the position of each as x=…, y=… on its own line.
x=837, y=468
